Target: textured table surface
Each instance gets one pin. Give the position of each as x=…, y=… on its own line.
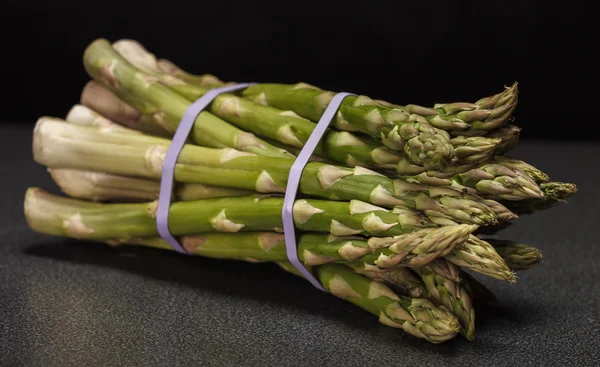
x=65, y=303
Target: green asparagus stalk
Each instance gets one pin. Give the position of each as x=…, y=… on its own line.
x=97, y=221
x=417, y=316
x=503, y=214
x=422, y=144
x=520, y=166
x=413, y=249
x=310, y=102
x=206, y=80
x=498, y=182
x=491, y=180
x=351, y=286
x=100, y=186
x=469, y=153
x=473, y=150
x=149, y=97
x=59, y=144
x=518, y=256
x=401, y=279
x=486, y=114
x=554, y=194
x=480, y=256
x=442, y=280
x=509, y=138
x=104, y=102
x=82, y=115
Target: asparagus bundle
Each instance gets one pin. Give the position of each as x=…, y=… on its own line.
x=391, y=209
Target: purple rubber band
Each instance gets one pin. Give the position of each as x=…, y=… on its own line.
x=294, y=181
x=168, y=170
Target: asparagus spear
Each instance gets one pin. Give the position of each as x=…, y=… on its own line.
x=442, y=280
x=518, y=256
x=490, y=180
x=206, y=80
x=413, y=249
x=486, y=114
x=435, y=324
x=354, y=113
x=100, y=186
x=509, y=137
x=498, y=182
x=401, y=279
x=96, y=221
x=480, y=256
x=62, y=145
x=520, y=166
x=417, y=316
x=473, y=150
x=554, y=193
x=104, y=102
x=503, y=214
x=469, y=153
x=148, y=96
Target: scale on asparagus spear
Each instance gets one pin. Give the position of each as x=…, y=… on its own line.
x=392, y=208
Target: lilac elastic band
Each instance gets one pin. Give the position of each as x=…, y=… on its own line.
x=168, y=170
x=294, y=181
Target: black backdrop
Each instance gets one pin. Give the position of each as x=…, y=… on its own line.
x=422, y=51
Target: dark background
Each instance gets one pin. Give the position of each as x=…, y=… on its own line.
x=422, y=51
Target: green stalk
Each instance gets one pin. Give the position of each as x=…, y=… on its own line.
x=490, y=180
x=554, y=194
x=421, y=143
x=503, y=214
x=54, y=215
x=442, y=280
x=520, y=166
x=470, y=118
x=100, y=186
x=498, y=182
x=150, y=97
x=416, y=316
x=480, y=256
x=206, y=80
x=469, y=153
x=267, y=122
x=58, y=144
x=101, y=100
x=401, y=279
x=518, y=256
x=413, y=249
x=509, y=138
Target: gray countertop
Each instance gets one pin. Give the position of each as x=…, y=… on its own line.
x=65, y=302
